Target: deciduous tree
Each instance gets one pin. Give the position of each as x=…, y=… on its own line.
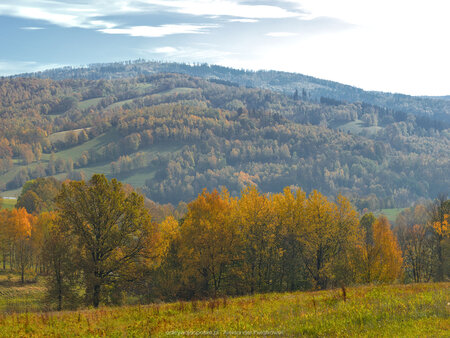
x=110, y=228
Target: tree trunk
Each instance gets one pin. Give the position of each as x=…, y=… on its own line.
x=59, y=285
x=440, y=267
x=59, y=298
x=96, y=298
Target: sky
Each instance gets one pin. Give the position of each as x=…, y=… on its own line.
x=386, y=45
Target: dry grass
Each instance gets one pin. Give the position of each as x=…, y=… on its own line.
x=373, y=311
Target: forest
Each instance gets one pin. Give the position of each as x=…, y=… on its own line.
x=100, y=242
x=287, y=83
x=172, y=135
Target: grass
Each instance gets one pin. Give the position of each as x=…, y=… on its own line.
x=89, y=103
x=16, y=297
x=371, y=311
x=391, y=214
x=95, y=143
x=356, y=127
x=179, y=90
x=120, y=103
x=7, y=203
x=139, y=178
x=136, y=178
x=61, y=136
x=11, y=193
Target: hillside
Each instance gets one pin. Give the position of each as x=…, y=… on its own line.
x=173, y=135
x=433, y=107
x=408, y=310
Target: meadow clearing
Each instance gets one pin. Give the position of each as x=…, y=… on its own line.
x=414, y=310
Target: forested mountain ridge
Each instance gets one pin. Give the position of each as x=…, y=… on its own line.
x=314, y=88
x=173, y=135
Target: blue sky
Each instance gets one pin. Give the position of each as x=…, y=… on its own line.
x=399, y=46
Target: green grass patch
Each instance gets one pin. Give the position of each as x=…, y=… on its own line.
x=120, y=103
x=11, y=193
x=376, y=311
x=391, y=214
x=16, y=297
x=180, y=90
x=7, y=203
x=75, y=152
x=89, y=103
x=356, y=127
x=138, y=178
x=103, y=168
x=61, y=136
x=135, y=178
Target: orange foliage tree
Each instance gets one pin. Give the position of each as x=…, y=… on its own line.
x=22, y=223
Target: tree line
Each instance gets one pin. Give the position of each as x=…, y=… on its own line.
x=95, y=243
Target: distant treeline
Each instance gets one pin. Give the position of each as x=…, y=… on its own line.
x=435, y=107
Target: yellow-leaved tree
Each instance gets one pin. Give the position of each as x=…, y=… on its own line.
x=255, y=216
x=289, y=209
x=22, y=223
x=318, y=238
x=208, y=242
x=381, y=257
x=328, y=237
x=348, y=238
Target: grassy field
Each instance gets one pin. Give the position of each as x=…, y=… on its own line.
x=89, y=103
x=16, y=298
x=75, y=152
x=136, y=178
x=391, y=214
x=356, y=127
x=7, y=203
x=60, y=136
x=372, y=311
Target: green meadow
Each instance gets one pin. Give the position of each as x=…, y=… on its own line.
x=415, y=310
x=7, y=203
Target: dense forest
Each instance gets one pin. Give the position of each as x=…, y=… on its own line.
x=433, y=107
x=97, y=242
x=173, y=135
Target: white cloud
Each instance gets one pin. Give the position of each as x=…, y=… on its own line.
x=204, y=53
x=281, y=34
x=32, y=28
x=244, y=20
x=165, y=50
x=87, y=14
x=157, y=31
x=236, y=9
x=8, y=67
x=56, y=13
x=397, y=46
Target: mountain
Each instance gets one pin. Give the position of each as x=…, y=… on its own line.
x=433, y=107
x=172, y=135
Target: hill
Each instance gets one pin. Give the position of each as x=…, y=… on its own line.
x=313, y=88
x=407, y=310
x=172, y=135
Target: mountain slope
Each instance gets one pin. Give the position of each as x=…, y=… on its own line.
x=433, y=107
x=173, y=135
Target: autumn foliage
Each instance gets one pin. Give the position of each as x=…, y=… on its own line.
x=101, y=243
